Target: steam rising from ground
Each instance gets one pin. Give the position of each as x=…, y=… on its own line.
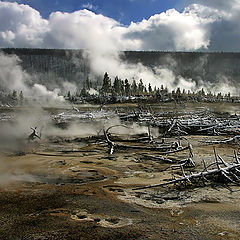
x=110, y=61
x=93, y=128
x=14, y=134
x=13, y=139
x=11, y=172
x=13, y=77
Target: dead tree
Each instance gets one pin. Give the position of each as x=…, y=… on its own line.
x=163, y=150
x=224, y=171
x=177, y=128
x=235, y=139
x=33, y=135
x=142, y=139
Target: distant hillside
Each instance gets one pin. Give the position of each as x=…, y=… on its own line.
x=207, y=66
x=53, y=65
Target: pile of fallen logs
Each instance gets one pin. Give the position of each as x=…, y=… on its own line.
x=222, y=172
x=186, y=123
x=162, y=148
x=196, y=126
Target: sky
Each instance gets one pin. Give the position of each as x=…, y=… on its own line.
x=165, y=25
x=124, y=11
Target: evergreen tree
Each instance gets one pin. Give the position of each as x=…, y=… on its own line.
x=166, y=90
x=149, y=88
x=140, y=86
x=106, y=87
x=178, y=91
x=117, y=85
x=122, y=87
x=21, y=96
x=14, y=95
x=127, y=87
x=88, y=83
x=84, y=92
x=134, y=87
x=69, y=94
x=145, y=89
x=158, y=93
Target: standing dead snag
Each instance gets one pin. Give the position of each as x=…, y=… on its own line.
x=110, y=143
x=229, y=173
x=33, y=135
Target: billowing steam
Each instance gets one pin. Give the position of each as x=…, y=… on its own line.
x=13, y=77
x=110, y=61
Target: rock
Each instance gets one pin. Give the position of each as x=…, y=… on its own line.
x=171, y=196
x=207, y=199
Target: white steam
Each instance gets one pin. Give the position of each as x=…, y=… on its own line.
x=110, y=62
x=15, y=171
x=13, y=77
x=92, y=91
x=69, y=87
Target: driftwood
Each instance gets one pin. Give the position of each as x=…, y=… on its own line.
x=196, y=124
x=163, y=150
x=224, y=171
x=235, y=139
x=149, y=137
x=186, y=162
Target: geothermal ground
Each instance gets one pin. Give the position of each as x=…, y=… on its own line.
x=66, y=185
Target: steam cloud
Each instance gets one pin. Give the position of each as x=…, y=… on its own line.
x=13, y=172
x=12, y=77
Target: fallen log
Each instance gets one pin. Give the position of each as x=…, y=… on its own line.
x=173, y=148
x=166, y=149
x=227, y=172
x=235, y=139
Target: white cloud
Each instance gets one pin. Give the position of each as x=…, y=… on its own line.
x=82, y=29
x=21, y=26
x=218, y=4
x=203, y=25
x=171, y=31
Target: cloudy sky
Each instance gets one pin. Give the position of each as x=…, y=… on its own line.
x=190, y=25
